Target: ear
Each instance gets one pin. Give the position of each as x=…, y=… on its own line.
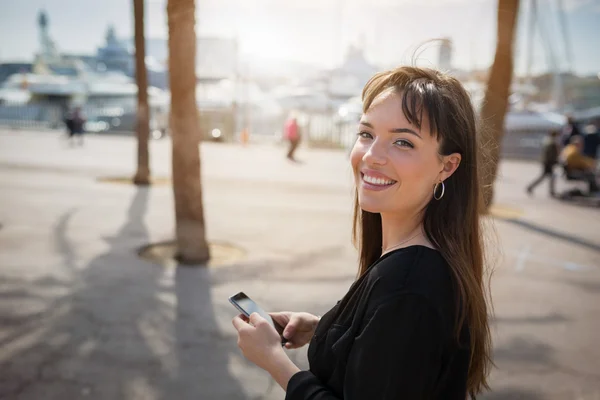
x=450, y=163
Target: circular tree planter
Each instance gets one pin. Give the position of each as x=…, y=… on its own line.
x=128, y=180
x=164, y=253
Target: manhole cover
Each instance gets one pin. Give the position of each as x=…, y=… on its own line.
x=128, y=180
x=164, y=253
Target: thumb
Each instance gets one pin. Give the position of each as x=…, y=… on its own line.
x=290, y=328
x=255, y=318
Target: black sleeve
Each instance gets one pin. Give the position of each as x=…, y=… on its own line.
x=397, y=356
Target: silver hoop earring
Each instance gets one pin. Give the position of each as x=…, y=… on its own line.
x=435, y=190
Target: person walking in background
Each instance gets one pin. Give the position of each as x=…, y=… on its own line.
x=78, y=124
x=570, y=130
x=69, y=125
x=591, y=140
x=75, y=122
x=549, y=160
x=292, y=135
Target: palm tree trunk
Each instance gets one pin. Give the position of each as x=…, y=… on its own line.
x=142, y=175
x=185, y=129
x=495, y=103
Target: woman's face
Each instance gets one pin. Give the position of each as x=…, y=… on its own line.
x=396, y=165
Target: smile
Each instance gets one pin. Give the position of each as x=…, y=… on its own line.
x=376, y=182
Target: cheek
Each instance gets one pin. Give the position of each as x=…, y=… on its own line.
x=414, y=171
x=356, y=156
x=407, y=166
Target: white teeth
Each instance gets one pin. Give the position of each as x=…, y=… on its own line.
x=377, y=181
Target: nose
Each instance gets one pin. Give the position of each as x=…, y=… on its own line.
x=375, y=155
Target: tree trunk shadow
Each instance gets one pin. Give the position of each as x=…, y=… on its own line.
x=120, y=328
x=203, y=353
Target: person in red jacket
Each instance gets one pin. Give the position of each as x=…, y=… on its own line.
x=292, y=135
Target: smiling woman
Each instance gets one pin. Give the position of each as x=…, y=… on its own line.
x=418, y=130
x=414, y=325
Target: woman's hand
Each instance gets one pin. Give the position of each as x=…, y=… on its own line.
x=299, y=327
x=259, y=341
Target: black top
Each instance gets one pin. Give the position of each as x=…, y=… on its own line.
x=591, y=142
x=571, y=130
x=550, y=152
x=390, y=337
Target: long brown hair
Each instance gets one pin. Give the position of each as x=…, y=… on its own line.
x=452, y=224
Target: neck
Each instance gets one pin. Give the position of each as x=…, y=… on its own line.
x=397, y=229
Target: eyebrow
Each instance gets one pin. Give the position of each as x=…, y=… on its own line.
x=396, y=130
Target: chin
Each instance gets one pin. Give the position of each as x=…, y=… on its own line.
x=371, y=210
x=370, y=206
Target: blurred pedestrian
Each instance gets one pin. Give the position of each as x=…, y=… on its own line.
x=415, y=324
x=591, y=139
x=548, y=160
x=68, y=119
x=292, y=135
x=570, y=130
x=75, y=123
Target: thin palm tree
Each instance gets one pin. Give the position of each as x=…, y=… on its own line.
x=142, y=175
x=192, y=246
x=495, y=103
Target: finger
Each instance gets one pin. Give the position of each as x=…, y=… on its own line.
x=244, y=318
x=294, y=345
x=290, y=329
x=279, y=318
x=279, y=313
x=238, y=323
x=256, y=319
x=275, y=316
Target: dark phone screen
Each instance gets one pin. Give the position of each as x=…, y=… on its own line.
x=247, y=306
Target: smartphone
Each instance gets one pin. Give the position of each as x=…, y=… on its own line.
x=247, y=306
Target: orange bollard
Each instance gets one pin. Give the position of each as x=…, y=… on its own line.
x=245, y=136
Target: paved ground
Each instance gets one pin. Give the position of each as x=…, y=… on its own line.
x=82, y=317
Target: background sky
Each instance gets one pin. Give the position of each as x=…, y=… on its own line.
x=318, y=31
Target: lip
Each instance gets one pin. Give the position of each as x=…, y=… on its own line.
x=376, y=188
